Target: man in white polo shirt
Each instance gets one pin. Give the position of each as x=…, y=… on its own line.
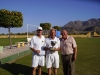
x=36, y=45
x=52, y=56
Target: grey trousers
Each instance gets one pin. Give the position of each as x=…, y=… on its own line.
x=68, y=65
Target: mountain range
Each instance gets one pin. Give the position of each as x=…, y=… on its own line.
x=83, y=26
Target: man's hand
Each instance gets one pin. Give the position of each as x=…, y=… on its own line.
x=73, y=57
x=37, y=51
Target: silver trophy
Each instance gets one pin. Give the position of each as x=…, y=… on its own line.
x=53, y=44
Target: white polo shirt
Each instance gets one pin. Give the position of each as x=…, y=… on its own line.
x=48, y=44
x=38, y=44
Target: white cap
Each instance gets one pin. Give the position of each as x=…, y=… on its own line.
x=39, y=28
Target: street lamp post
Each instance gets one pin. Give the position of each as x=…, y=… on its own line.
x=27, y=28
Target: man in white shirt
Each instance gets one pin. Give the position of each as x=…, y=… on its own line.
x=36, y=45
x=52, y=56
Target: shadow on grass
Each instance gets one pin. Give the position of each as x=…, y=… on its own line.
x=17, y=69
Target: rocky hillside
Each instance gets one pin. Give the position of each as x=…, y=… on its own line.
x=83, y=26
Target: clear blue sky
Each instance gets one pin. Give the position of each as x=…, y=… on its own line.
x=56, y=12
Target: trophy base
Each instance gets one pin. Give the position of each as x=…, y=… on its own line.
x=52, y=48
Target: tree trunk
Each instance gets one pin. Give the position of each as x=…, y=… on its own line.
x=10, y=38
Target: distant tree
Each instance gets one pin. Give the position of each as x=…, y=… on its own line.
x=45, y=26
x=10, y=19
x=57, y=28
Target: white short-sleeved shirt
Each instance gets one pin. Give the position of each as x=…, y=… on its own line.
x=48, y=44
x=38, y=44
x=67, y=45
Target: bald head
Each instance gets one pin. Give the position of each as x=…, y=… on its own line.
x=52, y=33
x=64, y=34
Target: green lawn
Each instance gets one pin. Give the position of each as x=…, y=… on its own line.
x=5, y=41
x=88, y=59
x=87, y=63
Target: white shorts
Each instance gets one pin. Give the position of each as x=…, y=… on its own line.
x=52, y=60
x=38, y=60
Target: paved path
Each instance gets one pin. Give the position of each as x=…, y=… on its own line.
x=7, y=51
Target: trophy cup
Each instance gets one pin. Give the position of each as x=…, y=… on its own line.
x=53, y=44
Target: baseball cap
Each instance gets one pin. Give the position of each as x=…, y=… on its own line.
x=39, y=28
